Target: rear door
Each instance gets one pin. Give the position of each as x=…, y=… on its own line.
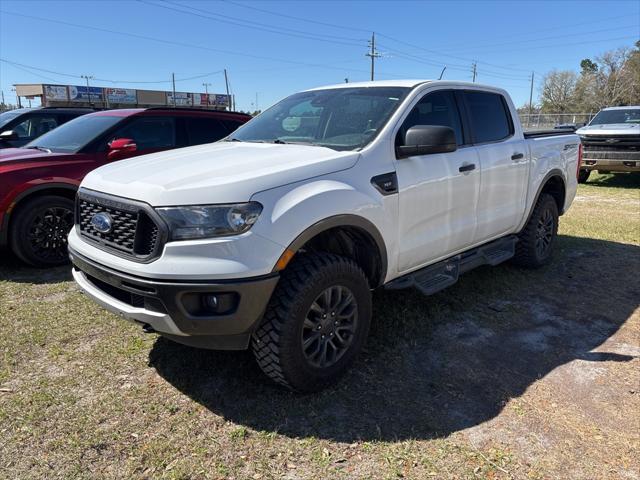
x=504, y=164
x=438, y=192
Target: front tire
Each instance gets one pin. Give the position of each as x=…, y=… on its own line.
x=535, y=243
x=39, y=231
x=316, y=323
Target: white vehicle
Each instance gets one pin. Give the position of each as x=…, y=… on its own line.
x=274, y=238
x=611, y=142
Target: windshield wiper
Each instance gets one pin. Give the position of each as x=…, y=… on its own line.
x=232, y=140
x=42, y=149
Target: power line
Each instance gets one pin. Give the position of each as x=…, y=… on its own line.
x=23, y=66
x=434, y=52
x=476, y=46
x=170, y=42
x=283, y=15
x=253, y=25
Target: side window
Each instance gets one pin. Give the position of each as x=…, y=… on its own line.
x=490, y=119
x=437, y=108
x=231, y=125
x=149, y=132
x=204, y=130
x=35, y=126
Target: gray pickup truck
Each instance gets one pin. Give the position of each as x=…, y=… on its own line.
x=611, y=142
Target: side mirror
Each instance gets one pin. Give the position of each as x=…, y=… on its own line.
x=9, y=135
x=427, y=139
x=121, y=146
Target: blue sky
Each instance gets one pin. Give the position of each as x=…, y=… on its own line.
x=274, y=48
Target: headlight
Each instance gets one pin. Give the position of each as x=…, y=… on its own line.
x=206, y=221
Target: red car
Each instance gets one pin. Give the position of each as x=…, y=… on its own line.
x=38, y=183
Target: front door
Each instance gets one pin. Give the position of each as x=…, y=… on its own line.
x=438, y=193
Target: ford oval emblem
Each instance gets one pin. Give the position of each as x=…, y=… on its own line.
x=102, y=222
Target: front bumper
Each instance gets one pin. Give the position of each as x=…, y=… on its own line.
x=161, y=305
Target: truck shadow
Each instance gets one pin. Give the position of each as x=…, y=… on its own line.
x=12, y=269
x=617, y=180
x=435, y=365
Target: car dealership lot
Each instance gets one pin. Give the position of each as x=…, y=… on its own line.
x=508, y=374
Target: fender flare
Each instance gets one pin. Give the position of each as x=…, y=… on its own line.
x=4, y=228
x=345, y=220
x=555, y=172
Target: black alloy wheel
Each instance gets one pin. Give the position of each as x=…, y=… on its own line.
x=39, y=230
x=329, y=326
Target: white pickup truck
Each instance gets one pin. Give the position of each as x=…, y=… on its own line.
x=274, y=238
x=611, y=142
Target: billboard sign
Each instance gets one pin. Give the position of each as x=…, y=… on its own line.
x=222, y=100
x=82, y=94
x=121, y=95
x=203, y=99
x=182, y=99
x=55, y=93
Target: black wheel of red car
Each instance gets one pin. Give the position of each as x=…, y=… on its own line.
x=39, y=230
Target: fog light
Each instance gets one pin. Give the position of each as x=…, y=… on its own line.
x=210, y=304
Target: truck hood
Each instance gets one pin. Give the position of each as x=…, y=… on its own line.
x=610, y=129
x=222, y=172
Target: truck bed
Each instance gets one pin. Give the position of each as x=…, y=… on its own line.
x=555, y=132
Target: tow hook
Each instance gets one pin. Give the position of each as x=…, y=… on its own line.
x=146, y=328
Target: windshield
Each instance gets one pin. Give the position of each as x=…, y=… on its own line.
x=73, y=135
x=6, y=117
x=340, y=118
x=626, y=115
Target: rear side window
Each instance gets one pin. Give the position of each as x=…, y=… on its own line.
x=437, y=108
x=232, y=125
x=149, y=132
x=204, y=130
x=35, y=126
x=490, y=119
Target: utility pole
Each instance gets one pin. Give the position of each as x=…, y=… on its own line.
x=17, y=97
x=87, y=78
x=173, y=81
x=475, y=71
x=226, y=82
x=530, y=100
x=373, y=53
x=206, y=88
x=257, y=108
x=442, y=73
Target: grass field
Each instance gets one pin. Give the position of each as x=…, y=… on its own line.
x=508, y=374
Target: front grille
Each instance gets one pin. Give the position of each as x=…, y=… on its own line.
x=133, y=234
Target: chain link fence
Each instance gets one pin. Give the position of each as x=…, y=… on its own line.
x=550, y=120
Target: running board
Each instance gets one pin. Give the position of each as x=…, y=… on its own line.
x=432, y=279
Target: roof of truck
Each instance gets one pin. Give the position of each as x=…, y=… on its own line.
x=622, y=108
x=403, y=83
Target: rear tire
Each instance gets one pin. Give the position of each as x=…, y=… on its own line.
x=316, y=322
x=535, y=243
x=39, y=231
x=583, y=176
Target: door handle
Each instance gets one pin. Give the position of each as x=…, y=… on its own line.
x=517, y=156
x=467, y=168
